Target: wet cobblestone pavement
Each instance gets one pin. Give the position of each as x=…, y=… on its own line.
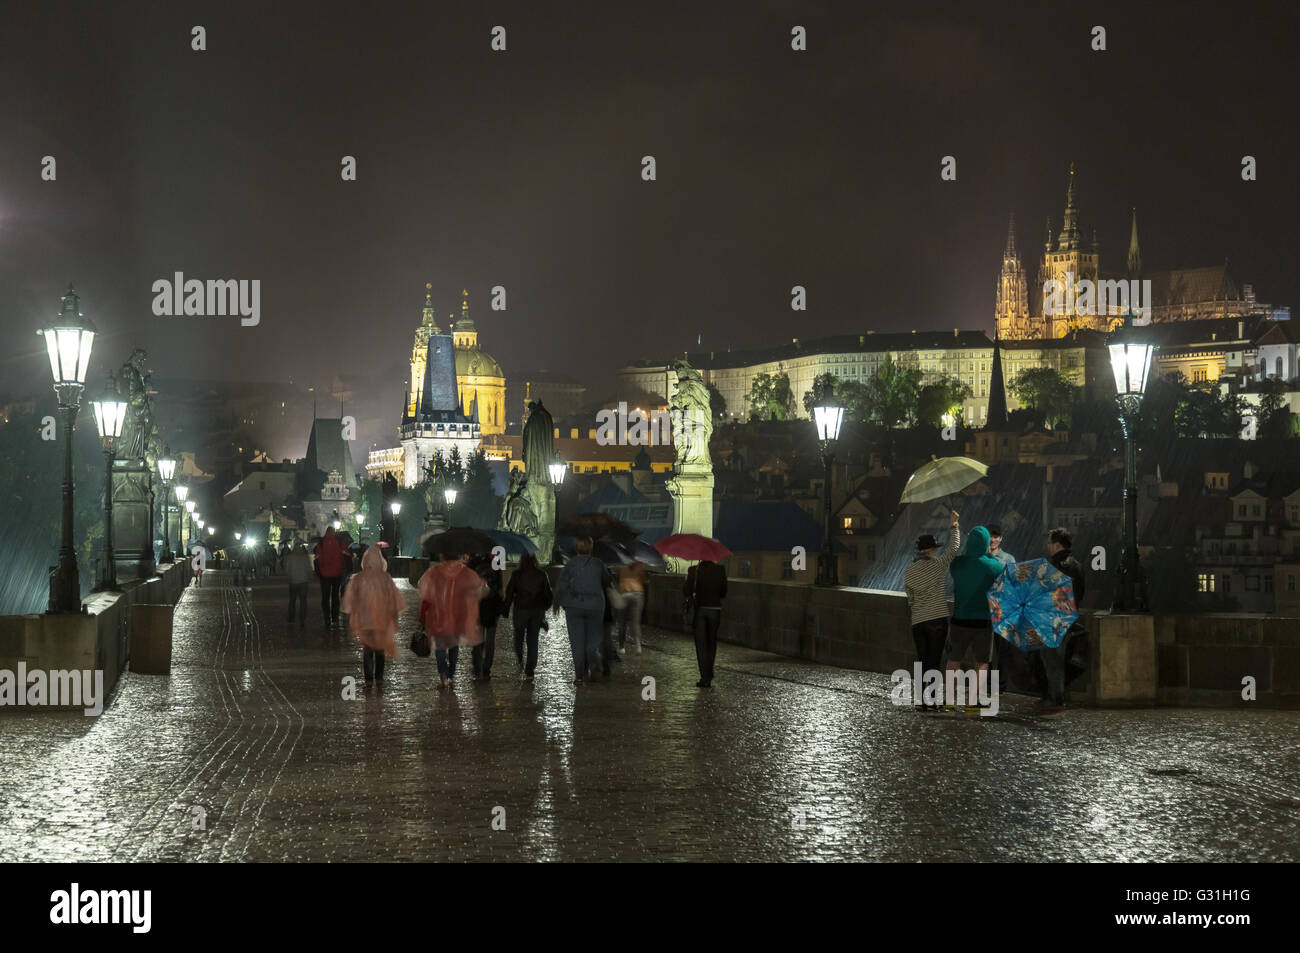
x=252, y=729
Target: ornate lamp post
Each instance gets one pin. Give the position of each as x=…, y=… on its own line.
x=68, y=341
x=449, y=494
x=828, y=418
x=166, y=469
x=361, y=522
x=182, y=491
x=397, y=527
x=110, y=414
x=558, y=470
x=1130, y=362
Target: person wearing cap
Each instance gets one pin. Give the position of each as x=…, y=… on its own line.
x=924, y=582
x=995, y=546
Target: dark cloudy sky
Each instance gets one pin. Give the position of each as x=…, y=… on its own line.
x=522, y=169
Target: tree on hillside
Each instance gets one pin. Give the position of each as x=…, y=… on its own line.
x=892, y=393
x=1273, y=415
x=717, y=404
x=944, y=396
x=1043, y=390
x=770, y=397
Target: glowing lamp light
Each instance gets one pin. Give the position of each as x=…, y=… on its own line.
x=450, y=495
x=166, y=468
x=110, y=415
x=239, y=535
x=395, y=507
x=182, y=491
x=189, y=507
x=361, y=519
x=336, y=524
x=198, y=521
x=558, y=470
x=211, y=530
x=829, y=419
x=68, y=342
x=1130, y=362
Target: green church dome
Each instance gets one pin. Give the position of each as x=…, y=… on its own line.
x=472, y=362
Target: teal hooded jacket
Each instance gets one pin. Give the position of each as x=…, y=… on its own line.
x=972, y=574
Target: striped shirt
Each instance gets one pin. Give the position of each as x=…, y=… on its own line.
x=925, y=582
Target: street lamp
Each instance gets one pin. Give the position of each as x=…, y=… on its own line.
x=166, y=470
x=1130, y=362
x=110, y=414
x=182, y=491
x=558, y=470
x=397, y=527
x=189, y=537
x=449, y=494
x=361, y=522
x=828, y=418
x=68, y=341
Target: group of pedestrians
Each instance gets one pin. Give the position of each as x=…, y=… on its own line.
x=968, y=633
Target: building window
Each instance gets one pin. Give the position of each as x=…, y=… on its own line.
x=1227, y=583
x=1205, y=582
x=1268, y=584
x=1254, y=509
x=871, y=552
x=848, y=522
x=1199, y=374
x=787, y=570
x=746, y=569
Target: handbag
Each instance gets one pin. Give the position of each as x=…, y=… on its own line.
x=420, y=644
x=617, y=601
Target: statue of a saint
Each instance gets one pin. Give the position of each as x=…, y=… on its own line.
x=691, y=416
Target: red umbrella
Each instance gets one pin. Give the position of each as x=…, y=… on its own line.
x=692, y=546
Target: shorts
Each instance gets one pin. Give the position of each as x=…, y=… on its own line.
x=967, y=636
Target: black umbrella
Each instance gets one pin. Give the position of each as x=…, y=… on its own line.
x=597, y=526
x=457, y=540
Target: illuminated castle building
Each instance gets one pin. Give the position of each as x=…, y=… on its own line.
x=1022, y=312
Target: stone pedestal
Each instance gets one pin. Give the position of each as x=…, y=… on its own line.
x=541, y=496
x=151, y=639
x=133, y=554
x=692, y=493
x=1123, y=660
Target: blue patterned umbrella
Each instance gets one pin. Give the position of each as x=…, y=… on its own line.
x=1032, y=605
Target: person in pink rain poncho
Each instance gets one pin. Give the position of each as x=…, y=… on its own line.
x=449, y=598
x=372, y=604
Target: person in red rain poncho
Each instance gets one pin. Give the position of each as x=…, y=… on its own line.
x=329, y=567
x=373, y=604
x=449, y=598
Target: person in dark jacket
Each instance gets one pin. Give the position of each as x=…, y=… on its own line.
x=528, y=594
x=489, y=611
x=1053, y=659
x=969, y=629
x=706, y=586
x=329, y=567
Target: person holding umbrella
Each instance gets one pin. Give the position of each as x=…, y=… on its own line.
x=924, y=584
x=1060, y=556
x=706, y=586
x=969, y=629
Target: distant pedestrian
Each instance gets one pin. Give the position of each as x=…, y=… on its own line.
x=529, y=595
x=489, y=612
x=449, y=596
x=706, y=586
x=373, y=605
x=297, y=565
x=632, y=585
x=580, y=591
x=969, y=629
x=329, y=567
x=924, y=582
x=995, y=546
x=1054, y=659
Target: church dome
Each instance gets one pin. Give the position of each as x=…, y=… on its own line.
x=473, y=362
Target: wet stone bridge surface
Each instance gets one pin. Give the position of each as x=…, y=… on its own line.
x=780, y=760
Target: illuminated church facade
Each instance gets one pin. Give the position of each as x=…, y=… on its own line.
x=455, y=395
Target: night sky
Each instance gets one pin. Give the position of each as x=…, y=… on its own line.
x=522, y=169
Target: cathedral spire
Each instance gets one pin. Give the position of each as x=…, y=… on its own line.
x=429, y=323
x=1070, y=227
x=1134, y=252
x=997, y=413
x=1048, y=245
x=1011, y=238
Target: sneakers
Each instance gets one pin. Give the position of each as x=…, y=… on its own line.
x=703, y=684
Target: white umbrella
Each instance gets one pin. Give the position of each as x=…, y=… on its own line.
x=940, y=477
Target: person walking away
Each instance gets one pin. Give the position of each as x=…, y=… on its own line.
x=329, y=566
x=373, y=606
x=1000, y=648
x=969, y=629
x=297, y=565
x=632, y=584
x=580, y=591
x=706, y=587
x=529, y=593
x=489, y=612
x=1061, y=556
x=449, y=596
x=925, y=584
